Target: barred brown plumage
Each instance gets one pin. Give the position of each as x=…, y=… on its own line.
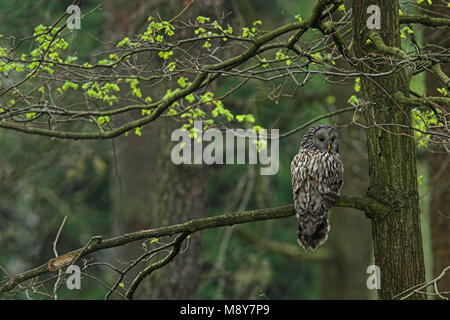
x=316, y=176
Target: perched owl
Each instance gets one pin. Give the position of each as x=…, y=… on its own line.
x=316, y=175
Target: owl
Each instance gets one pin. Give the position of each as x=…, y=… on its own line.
x=316, y=176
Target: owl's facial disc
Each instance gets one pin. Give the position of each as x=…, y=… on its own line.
x=327, y=140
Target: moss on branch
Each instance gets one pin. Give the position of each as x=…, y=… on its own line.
x=383, y=48
x=425, y=20
x=419, y=102
x=441, y=74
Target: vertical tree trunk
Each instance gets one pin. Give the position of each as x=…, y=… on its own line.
x=439, y=173
x=150, y=190
x=181, y=195
x=392, y=164
x=439, y=215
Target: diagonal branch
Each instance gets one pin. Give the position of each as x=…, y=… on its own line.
x=156, y=265
x=441, y=74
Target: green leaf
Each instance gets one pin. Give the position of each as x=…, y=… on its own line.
x=171, y=66
x=202, y=19
x=443, y=91
x=357, y=86
x=317, y=56
x=182, y=82
x=279, y=55
x=165, y=54
x=113, y=57
x=419, y=179
x=265, y=65
x=190, y=98
x=259, y=129
x=103, y=120
x=30, y=115
x=69, y=84
x=353, y=100
x=240, y=117
x=123, y=42
x=138, y=131
x=250, y=118
x=172, y=112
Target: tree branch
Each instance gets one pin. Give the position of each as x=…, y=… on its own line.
x=441, y=74
x=383, y=48
x=424, y=20
x=157, y=265
x=328, y=115
x=400, y=98
x=372, y=208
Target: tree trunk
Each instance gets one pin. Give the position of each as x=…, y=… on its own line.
x=439, y=216
x=150, y=190
x=439, y=173
x=392, y=164
x=134, y=157
x=181, y=195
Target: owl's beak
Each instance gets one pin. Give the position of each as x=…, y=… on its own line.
x=329, y=147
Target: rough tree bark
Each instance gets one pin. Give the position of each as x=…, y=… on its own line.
x=146, y=176
x=392, y=164
x=181, y=194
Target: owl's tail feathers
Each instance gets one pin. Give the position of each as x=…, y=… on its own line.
x=311, y=241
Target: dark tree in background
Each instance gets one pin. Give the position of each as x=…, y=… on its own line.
x=439, y=169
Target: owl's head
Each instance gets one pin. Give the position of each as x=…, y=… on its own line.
x=321, y=137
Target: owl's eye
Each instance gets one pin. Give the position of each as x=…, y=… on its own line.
x=322, y=139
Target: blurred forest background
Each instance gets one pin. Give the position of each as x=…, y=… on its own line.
x=127, y=184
